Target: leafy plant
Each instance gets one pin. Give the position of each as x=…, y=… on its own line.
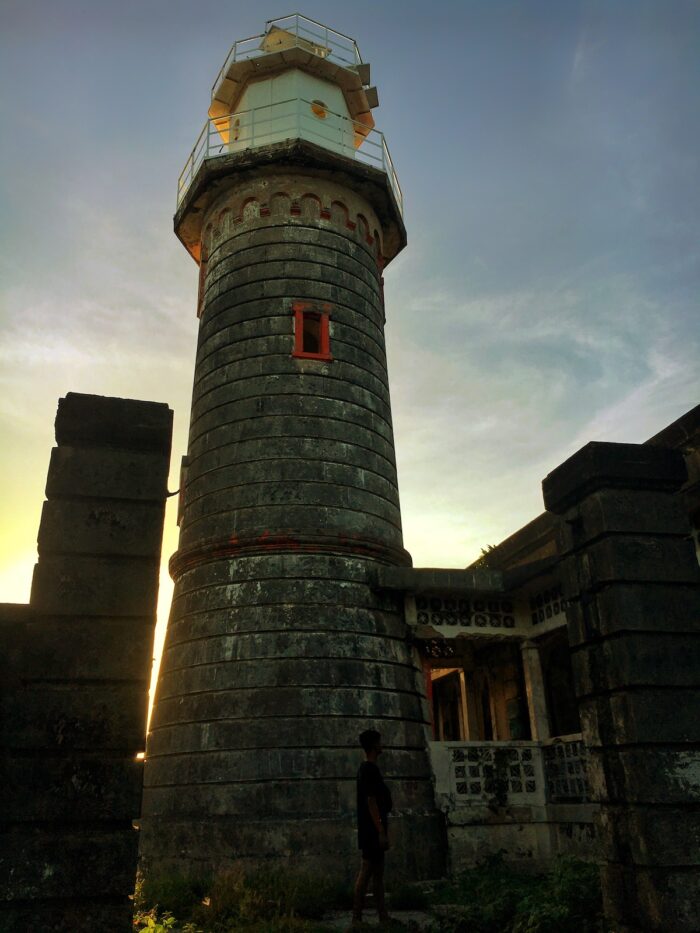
x=408, y=897
x=495, y=898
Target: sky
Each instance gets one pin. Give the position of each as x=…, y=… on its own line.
x=548, y=152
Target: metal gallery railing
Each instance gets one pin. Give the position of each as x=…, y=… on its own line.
x=304, y=33
x=289, y=119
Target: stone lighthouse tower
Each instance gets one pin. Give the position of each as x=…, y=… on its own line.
x=280, y=647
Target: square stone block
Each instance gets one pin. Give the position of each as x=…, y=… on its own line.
x=110, y=586
x=105, y=473
x=82, y=916
x=651, y=836
x=635, y=717
x=100, y=648
x=651, y=900
x=646, y=775
x=38, y=864
x=636, y=659
x=107, y=527
x=100, y=421
x=602, y=465
x=77, y=788
x=77, y=716
x=630, y=559
x=623, y=511
x=634, y=607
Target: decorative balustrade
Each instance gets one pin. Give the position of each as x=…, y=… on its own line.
x=517, y=773
x=289, y=119
x=566, y=769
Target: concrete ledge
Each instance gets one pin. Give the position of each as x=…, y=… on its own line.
x=101, y=421
x=433, y=580
x=601, y=465
x=371, y=183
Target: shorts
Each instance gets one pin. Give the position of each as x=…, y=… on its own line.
x=374, y=854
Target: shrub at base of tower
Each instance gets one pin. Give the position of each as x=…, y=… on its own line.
x=491, y=898
x=237, y=899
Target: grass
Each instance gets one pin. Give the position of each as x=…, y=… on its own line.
x=495, y=898
x=491, y=898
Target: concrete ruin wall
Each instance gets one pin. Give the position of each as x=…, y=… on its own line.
x=75, y=669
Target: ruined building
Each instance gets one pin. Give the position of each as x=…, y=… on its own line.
x=544, y=701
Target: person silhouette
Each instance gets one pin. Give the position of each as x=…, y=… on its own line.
x=373, y=807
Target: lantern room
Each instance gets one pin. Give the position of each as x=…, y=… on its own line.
x=298, y=79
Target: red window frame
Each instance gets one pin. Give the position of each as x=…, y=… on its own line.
x=303, y=311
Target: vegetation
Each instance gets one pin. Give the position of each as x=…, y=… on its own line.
x=491, y=898
x=271, y=901
x=494, y=898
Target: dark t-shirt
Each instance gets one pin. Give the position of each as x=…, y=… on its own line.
x=370, y=784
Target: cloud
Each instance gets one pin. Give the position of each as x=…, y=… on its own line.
x=492, y=391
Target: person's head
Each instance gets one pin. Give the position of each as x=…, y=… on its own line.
x=371, y=742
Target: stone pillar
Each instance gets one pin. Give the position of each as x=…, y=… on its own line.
x=534, y=689
x=631, y=578
x=73, y=702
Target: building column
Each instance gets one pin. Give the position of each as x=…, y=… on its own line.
x=633, y=584
x=77, y=665
x=534, y=689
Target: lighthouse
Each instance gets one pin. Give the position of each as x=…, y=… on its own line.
x=281, y=647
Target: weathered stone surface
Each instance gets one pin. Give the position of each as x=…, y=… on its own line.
x=631, y=717
x=79, y=788
x=631, y=559
x=99, y=421
x=651, y=900
x=74, y=715
x=110, y=528
x=631, y=577
x=637, y=659
x=40, y=864
x=324, y=844
x=318, y=765
x=280, y=650
x=75, y=670
x=98, y=648
x=622, y=511
x=82, y=916
x=280, y=733
x=93, y=586
x=101, y=473
x=612, y=466
x=637, y=834
x=425, y=580
x=634, y=607
x=264, y=165
x=646, y=775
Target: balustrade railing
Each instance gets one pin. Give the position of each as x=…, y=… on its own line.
x=289, y=119
x=534, y=773
x=566, y=769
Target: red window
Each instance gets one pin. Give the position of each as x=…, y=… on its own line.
x=311, y=332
